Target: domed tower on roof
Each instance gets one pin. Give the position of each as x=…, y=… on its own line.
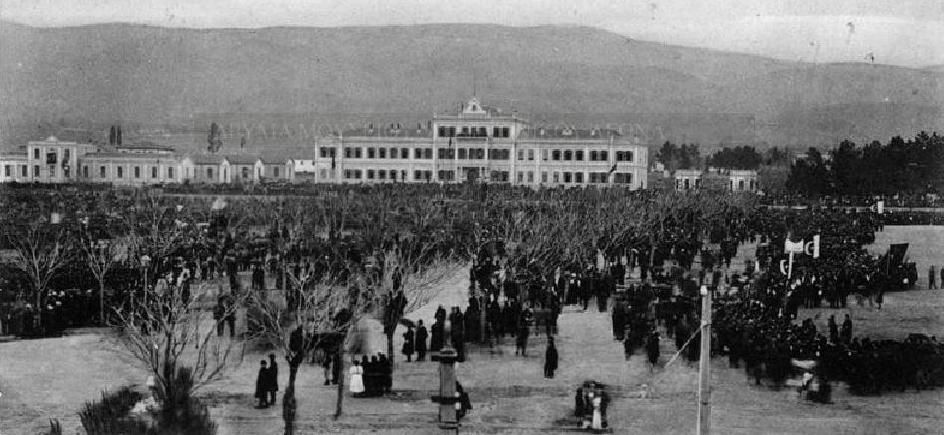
x=473, y=107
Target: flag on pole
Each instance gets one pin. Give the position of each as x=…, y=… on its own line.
x=613, y=169
x=812, y=248
x=790, y=246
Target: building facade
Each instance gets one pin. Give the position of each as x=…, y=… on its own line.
x=14, y=167
x=130, y=169
x=481, y=144
x=475, y=144
x=54, y=161
x=735, y=180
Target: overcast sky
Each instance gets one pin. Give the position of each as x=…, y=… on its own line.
x=899, y=32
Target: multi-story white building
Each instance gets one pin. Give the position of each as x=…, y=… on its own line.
x=55, y=161
x=475, y=144
x=481, y=144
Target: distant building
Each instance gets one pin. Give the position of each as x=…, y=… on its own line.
x=130, y=169
x=275, y=169
x=14, y=167
x=205, y=168
x=305, y=165
x=731, y=179
x=475, y=144
x=54, y=161
x=479, y=143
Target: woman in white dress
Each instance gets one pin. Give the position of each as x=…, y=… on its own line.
x=357, y=379
x=597, y=423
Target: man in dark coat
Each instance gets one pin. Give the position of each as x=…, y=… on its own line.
x=619, y=321
x=438, y=338
x=550, y=360
x=440, y=314
x=652, y=349
x=261, y=394
x=846, y=332
x=521, y=337
x=386, y=373
x=272, y=379
x=408, y=344
x=833, y=330
x=420, y=340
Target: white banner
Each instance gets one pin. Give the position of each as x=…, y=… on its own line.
x=789, y=246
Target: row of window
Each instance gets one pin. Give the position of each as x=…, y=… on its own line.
x=496, y=176
x=136, y=170
x=52, y=155
x=474, y=131
x=474, y=154
x=51, y=171
x=8, y=170
x=383, y=174
x=378, y=153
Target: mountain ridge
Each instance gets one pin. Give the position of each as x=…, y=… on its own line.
x=94, y=74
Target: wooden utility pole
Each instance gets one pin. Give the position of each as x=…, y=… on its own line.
x=704, y=387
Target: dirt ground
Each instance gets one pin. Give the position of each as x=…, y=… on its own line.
x=52, y=378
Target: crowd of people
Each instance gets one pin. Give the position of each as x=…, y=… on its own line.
x=529, y=259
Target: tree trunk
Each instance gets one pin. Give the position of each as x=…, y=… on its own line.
x=339, y=408
x=390, y=348
x=289, y=407
x=39, y=311
x=101, y=302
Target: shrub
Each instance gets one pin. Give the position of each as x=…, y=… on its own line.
x=110, y=414
x=181, y=413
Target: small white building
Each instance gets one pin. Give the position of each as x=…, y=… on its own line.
x=736, y=180
x=14, y=167
x=205, y=168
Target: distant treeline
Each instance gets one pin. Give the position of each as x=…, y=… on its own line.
x=898, y=167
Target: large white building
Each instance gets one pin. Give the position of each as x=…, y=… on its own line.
x=55, y=161
x=477, y=143
x=480, y=144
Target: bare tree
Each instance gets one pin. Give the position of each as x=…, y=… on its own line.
x=167, y=333
x=101, y=256
x=321, y=318
x=40, y=251
x=410, y=282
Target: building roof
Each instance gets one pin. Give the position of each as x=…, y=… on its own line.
x=386, y=130
x=273, y=158
x=567, y=133
x=53, y=139
x=13, y=154
x=145, y=145
x=242, y=159
x=120, y=155
x=206, y=159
